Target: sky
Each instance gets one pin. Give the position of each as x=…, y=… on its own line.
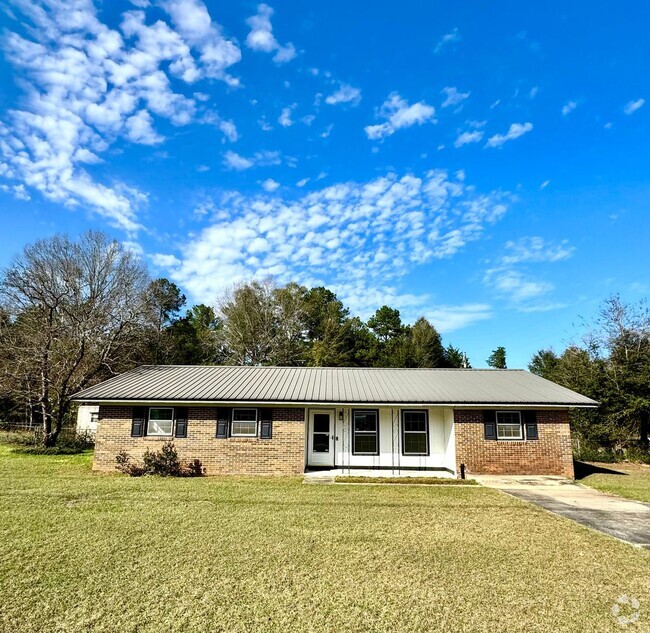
x=483, y=164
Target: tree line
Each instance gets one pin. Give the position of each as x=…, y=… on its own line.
x=73, y=313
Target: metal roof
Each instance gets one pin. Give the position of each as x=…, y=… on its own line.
x=331, y=385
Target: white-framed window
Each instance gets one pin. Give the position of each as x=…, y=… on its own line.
x=160, y=421
x=415, y=432
x=509, y=425
x=244, y=423
x=365, y=432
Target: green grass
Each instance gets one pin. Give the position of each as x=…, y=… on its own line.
x=430, y=481
x=626, y=480
x=84, y=552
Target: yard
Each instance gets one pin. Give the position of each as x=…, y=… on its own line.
x=627, y=480
x=88, y=552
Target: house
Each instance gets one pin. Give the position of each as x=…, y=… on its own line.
x=87, y=419
x=285, y=420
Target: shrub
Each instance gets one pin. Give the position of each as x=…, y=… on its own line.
x=126, y=466
x=164, y=463
x=69, y=442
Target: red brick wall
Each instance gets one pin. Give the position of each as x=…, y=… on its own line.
x=551, y=454
x=283, y=454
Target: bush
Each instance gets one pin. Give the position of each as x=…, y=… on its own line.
x=69, y=441
x=164, y=463
x=607, y=455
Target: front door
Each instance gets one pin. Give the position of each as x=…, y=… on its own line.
x=321, y=438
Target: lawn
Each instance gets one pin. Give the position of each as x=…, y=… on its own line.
x=627, y=480
x=83, y=552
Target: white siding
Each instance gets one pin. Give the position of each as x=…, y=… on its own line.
x=441, y=441
x=86, y=421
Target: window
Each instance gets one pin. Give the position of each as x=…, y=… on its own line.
x=415, y=432
x=244, y=423
x=94, y=418
x=509, y=425
x=160, y=421
x=365, y=433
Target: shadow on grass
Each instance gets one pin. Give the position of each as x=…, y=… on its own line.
x=584, y=469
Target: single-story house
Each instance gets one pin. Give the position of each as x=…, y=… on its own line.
x=87, y=419
x=286, y=420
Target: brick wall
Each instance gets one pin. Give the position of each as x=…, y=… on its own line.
x=551, y=454
x=283, y=454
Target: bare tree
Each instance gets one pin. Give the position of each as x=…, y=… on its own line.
x=263, y=324
x=74, y=310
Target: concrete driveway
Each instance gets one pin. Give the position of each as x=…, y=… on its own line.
x=626, y=520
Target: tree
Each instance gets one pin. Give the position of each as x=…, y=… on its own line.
x=386, y=323
x=456, y=359
x=325, y=328
x=620, y=340
x=164, y=301
x=427, y=345
x=196, y=338
x=544, y=363
x=289, y=340
x=264, y=325
x=73, y=309
x=497, y=358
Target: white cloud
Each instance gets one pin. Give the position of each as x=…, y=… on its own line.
x=519, y=286
x=536, y=249
x=450, y=318
x=399, y=114
x=229, y=130
x=358, y=238
x=515, y=131
x=453, y=97
x=445, y=40
x=233, y=160
x=261, y=38
x=633, y=106
x=569, y=107
x=18, y=191
x=86, y=85
x=285, y=119
x=236, y=161
x=545, y=184
x=468, y=137
x=302, y=182
x=515, y=285
x=270, y=185
x=344, y=94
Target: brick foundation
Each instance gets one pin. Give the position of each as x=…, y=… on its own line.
x=551, y=454
x=283, y=454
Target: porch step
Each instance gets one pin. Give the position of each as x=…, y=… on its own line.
x=320, y=479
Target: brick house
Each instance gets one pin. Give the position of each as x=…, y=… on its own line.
x=285, y=420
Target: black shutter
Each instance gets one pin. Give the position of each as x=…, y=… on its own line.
x=266, y=423
x=180, y=414
x=490, y=424
x=223, y=422
x=138, y=421
x=530, y=422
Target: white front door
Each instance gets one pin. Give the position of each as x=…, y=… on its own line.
x=320, y=449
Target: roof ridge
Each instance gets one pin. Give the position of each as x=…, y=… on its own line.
x=312, y=368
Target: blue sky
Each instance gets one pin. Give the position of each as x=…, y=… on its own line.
x=484, y=165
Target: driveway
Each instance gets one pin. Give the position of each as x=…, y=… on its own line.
x=626, y=520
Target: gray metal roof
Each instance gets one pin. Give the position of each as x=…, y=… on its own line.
x=200, y=383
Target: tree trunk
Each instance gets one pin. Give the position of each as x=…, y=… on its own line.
x=644, y=430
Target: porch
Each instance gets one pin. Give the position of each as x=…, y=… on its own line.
x=380, y=441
